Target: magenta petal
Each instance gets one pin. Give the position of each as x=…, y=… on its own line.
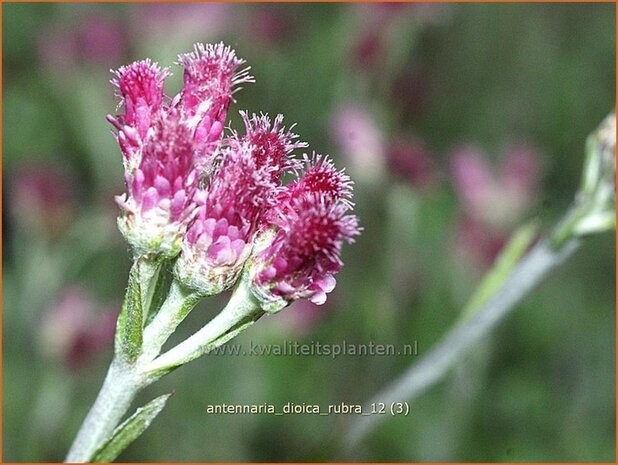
x=142, y=118
x=203, y=130
x=215, y=131
x=284, y=288
x=319, y=298
x=327, y=284
x=138, y=184
x=209, y=226
x=163, y=186
x=221, y=228
x=178, y=203
x=238, y=246
x=178, y=183
x=269, y=273
x=193, y=233
x=233, y=233
x=150, y=199
x=280, y=264
x=131, y=134
x=221, y=252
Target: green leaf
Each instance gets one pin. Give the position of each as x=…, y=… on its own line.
x=129, y=430
x=519, y=243
x=128, y=344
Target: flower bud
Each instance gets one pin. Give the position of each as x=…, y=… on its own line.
x=304, y=256
x=210, y=75
x=597, y=193
x=140, y=87
x=300, y=254
x=160, y=202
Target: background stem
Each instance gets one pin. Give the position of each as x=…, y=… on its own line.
x=461, y=338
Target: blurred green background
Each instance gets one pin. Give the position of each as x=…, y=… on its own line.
x=457, y=122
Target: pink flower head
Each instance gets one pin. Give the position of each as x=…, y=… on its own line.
x=304, y=254
x=210, y=76
x=140, y=87
x=320, y=176
x=160, y=201
x=272, y=143
x=219, y=240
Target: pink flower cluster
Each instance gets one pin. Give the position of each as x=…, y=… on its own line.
x=239, y=195
x=210, y=198
x=169, y=144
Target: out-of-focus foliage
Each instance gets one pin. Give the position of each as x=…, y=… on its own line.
x=458, y=122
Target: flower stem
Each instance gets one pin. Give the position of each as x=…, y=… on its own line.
x=241, y=312
x=124, y=381
x=178, y=304
x=461, y=338
x=118, y=390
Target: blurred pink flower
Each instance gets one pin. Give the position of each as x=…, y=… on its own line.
x=492, y=200
x=42, y=198
x=75, y=328
x=498, y=197
x=360, y=141
x=411, y=160
x=368, y=50
x=91, y=39
x=376, y=23
x=476, y=243
x=410, y=92
x=94, y=339
x=186, y=22
x=272, y=24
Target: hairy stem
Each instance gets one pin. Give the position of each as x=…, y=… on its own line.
x=118, y=390
x=241, y=312
x=178, y=304
x=124, y=381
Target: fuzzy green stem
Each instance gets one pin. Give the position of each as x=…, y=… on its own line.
x=178, y=304
x=124, y=381
x=242, y=311
x=118, y=391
